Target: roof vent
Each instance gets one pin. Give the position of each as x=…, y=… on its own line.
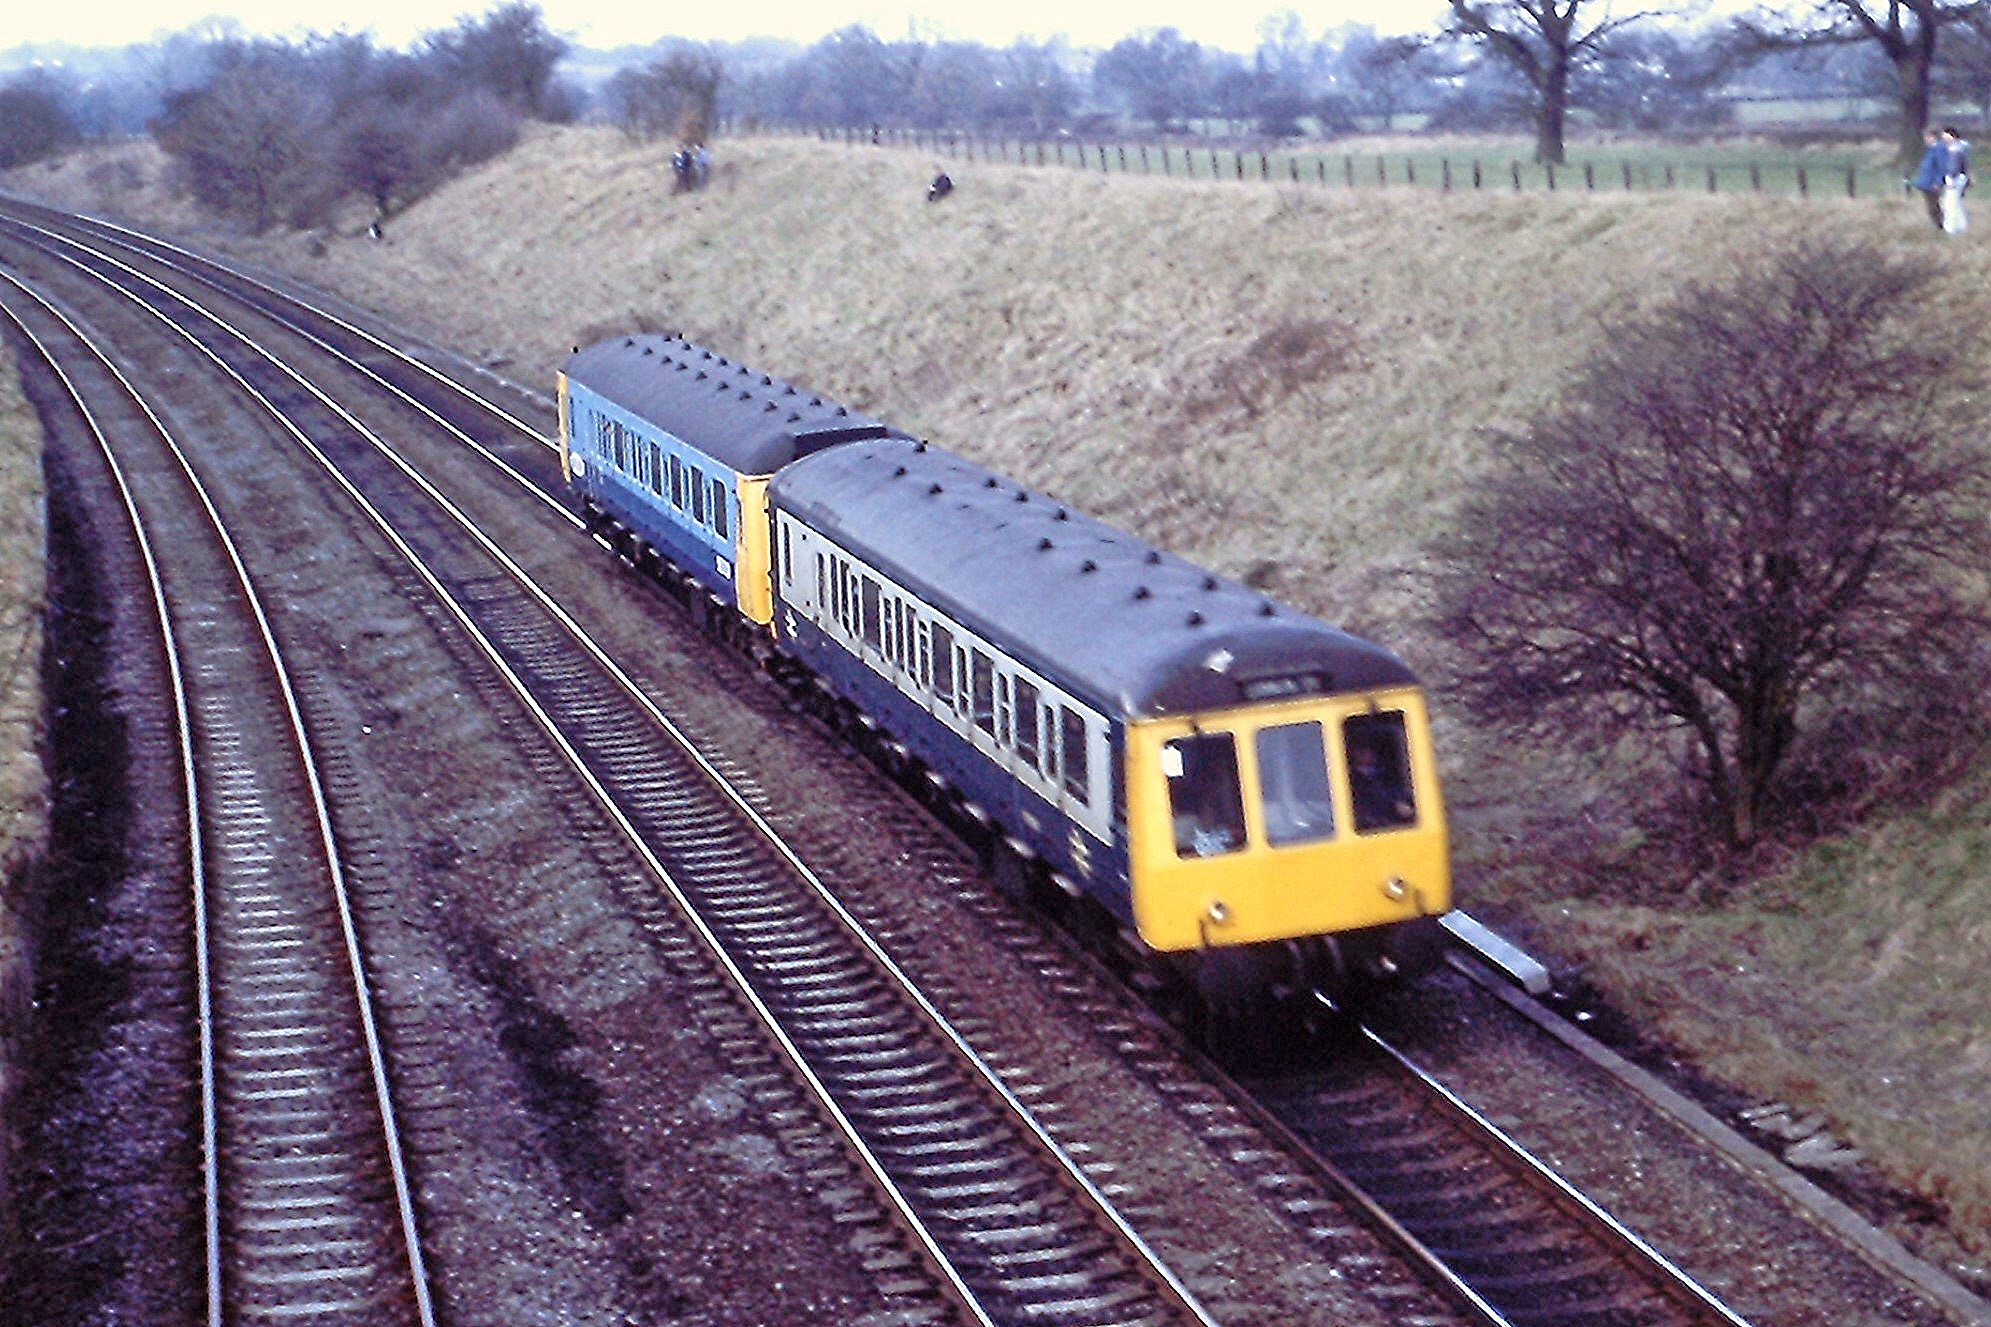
x=1022, y=495
x=794, y=415
x=932, y=489
x=746, y=395
x=766, y=381
x=649, y=350
x=1266, y=609
x=1195, y=619
x=1143, y=592
x=701, y=373
x=768, y=408
x=1044, y=545
x=722, y=362
x=919, y=445
x=789, y=391
x=628, y=340
x=1209, y=582
x=841, y=412
x=990, y=482
x=1062, y=515
x=1088, y=566
x=815, y=400
x=899, y=472
x=1154, y=557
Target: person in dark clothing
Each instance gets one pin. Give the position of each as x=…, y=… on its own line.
x=1932, y=174
x=1956, y=180
x=940, y=188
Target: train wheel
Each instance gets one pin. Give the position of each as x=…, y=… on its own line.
x=1241, y=1022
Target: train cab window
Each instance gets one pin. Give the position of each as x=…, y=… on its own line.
x=1203, y=796
x=677, y=483
x=1379, y=771
x=943, y=664
x=621, y=448
x=1026, y=720
x=656, y=469
x=981, y=691
x=1298, y=801
x=695, y=480
x=872, y=635
x=1078, y=775
x=719, y=508
x=822, y=585
x=787, y=556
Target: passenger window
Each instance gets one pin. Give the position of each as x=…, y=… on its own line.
x=656, y=469
x=1298, y=801
x=981, y=685
x=1026, y=720
x=1048, y=726
x=1078, y=777
x=891, y=615
x=1379, y=771
x=1203, y=794
x=943, y=664
x=719, y=510
x=621, y=448
x=696, y=481
x=677, y=483
x=924, y=649
x=871, y=633
x=1002, y=709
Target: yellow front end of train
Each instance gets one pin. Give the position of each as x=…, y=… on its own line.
x=1313, y=816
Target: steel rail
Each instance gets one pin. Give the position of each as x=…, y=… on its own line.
x=1159, y=1272
x=321, y=813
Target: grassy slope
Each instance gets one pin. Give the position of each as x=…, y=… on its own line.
x=23, y=790
x=1282, y=383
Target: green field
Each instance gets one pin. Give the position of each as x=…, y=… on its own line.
x=1460, y=166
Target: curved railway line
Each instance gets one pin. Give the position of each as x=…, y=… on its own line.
x=994, y=1197
x=308, y=1216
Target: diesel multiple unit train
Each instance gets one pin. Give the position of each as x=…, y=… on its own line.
x=1244, y=798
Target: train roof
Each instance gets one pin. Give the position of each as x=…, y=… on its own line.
x=746, y=420
x=1100, y=611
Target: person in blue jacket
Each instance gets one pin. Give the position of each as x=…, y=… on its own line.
x=1956, y=180
x=1933, y=174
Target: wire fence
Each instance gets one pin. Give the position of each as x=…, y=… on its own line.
x=1642, y=170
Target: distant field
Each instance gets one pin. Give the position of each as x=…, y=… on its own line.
x=1294, y=384
x=1461, y=165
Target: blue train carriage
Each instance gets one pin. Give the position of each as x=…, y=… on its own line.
x=1250, y=794
x=670, y=448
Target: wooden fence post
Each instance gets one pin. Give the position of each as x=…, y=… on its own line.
x=1445, y=174
x=1589, y=178
x=1755, y=177
x=1123, y=158
x=1711, y=187
x=1669, y=175
x=1803, y=185
x=1852, y=188
x=1382, y=171
x=1628, y=176
x=1239, y=156
x=1515, y=166
x=1476, y=175
x=1549, y=168
x=1409, y=170
x=1349, y=162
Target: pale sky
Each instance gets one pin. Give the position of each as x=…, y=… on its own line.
x=601, y=23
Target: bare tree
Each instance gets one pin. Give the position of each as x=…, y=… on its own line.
x=1161, y=76
x=251, y=142
x=676, y=96
x=509, y=52
x=34, y=119
x=1545, y=42
x=1907, y=32
x=1760, y=504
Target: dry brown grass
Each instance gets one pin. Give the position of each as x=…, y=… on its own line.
x=1289, y=385
x=23, y=789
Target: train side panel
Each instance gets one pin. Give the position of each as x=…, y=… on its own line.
x=691, y=508
x=1038, y=760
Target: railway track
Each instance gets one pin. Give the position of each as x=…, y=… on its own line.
x=1302, y=1140
x=1012, y=1227
x=308, y=1216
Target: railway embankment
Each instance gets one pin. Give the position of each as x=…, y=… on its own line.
x=23, y=786
x=1295, y=386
